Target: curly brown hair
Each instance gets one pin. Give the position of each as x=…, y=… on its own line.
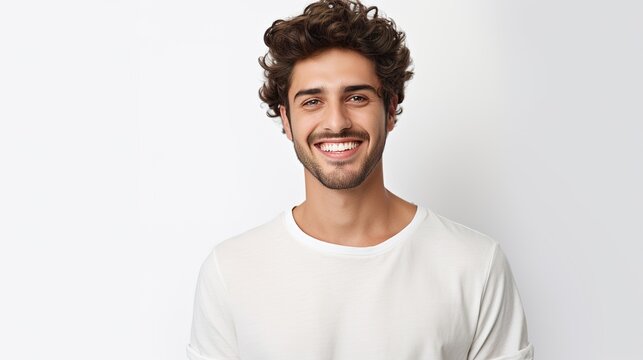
x=334, y=24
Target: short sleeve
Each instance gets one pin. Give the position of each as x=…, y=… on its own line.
x=501, y=331
x=213, y=334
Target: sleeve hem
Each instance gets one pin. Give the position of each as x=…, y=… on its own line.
x=194, y=355
x=526, y=353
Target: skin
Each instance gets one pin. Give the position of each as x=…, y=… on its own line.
x=333, y=94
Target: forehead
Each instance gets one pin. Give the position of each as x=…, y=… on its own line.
x=333, y=69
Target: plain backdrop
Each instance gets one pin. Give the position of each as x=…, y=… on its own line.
x=132, y=140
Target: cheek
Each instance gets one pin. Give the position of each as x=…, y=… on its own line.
x=301, y=133
x=302, y=127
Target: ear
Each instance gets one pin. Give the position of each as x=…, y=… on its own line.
x=391, y=116
x=285, y=122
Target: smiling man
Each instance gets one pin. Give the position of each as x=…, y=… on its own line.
x=341, y=120
x=354, y=271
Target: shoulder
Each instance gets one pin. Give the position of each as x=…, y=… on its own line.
x=450, y=233
x=251, y=245
x=454, y=245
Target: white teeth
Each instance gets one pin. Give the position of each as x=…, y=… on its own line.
x=338, y=146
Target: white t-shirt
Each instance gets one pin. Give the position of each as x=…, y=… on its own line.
x=437, y=290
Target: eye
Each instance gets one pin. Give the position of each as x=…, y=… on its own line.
x=357, y=99
x=311, y=102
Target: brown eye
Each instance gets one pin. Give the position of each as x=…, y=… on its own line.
x=311, y=102
x=357, y=99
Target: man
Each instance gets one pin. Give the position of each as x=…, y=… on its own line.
x=353, y=272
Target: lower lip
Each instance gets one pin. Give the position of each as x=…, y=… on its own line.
x=339, y=155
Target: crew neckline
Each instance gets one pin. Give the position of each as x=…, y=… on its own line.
x=327, y=247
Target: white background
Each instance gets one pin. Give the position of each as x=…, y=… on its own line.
x=132, y=140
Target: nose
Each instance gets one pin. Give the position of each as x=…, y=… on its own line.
x=336, y=118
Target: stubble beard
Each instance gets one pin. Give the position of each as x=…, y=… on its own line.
x=339, y=178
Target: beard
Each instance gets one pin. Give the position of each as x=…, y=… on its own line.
x=339, y=178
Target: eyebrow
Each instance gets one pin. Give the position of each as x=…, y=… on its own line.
x=350, y=88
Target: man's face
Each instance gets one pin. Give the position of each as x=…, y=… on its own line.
x=338, y=123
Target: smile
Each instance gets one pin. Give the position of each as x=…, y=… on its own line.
x=339, y=149
x=337, y=146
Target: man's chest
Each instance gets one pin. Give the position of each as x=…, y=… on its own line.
x=376, y=313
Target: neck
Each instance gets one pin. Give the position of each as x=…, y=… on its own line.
x=362, y=216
